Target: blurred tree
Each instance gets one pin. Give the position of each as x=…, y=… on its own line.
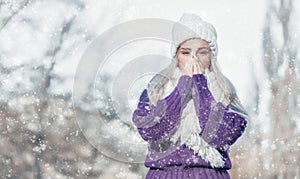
x=39, y=135
x=271, y=146
x=280, y=62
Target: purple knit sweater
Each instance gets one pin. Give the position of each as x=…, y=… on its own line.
x=168, y=110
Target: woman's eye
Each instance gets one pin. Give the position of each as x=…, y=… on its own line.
x=185, y=53
x=204, y=52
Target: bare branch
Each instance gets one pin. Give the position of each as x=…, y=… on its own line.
x=23, y=4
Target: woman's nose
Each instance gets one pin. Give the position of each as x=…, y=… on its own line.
x=193, y=56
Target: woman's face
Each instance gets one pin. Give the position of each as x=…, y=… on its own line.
x=194, y=49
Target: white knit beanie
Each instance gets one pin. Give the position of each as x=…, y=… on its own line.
x=192, y=26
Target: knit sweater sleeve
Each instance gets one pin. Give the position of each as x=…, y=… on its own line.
x=154, y=122
x=220, y=125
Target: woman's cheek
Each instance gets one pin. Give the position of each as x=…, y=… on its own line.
x=181, y=60
x=206, y=63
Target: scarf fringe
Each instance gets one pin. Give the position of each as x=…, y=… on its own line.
x=202, y=148
x=189, y=134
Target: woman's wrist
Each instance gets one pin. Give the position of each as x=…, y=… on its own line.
x=200, y=83
x=200, y=80
x=185, y=86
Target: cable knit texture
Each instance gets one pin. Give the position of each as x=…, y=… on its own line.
x=192, y=26
x=165, y=115
x=224, y=127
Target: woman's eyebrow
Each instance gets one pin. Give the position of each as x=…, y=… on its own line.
x=183, y=48
x=203, y=48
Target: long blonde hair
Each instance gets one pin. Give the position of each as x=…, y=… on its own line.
x=156, y=86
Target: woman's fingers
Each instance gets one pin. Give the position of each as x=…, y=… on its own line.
x=188, y=68
x=198, y=68
x=195, y=68
x=201, y=66
x=191, y=68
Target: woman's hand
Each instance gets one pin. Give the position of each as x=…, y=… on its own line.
x=188, y=68
x=198, y=67
x=194, y=67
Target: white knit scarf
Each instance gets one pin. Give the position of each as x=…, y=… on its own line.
x=189, y=129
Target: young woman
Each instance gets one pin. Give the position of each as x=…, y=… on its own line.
x=190, y=113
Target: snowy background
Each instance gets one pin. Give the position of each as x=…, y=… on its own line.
x=47, y=132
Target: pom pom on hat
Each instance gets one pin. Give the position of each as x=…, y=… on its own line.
x=192, y=26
